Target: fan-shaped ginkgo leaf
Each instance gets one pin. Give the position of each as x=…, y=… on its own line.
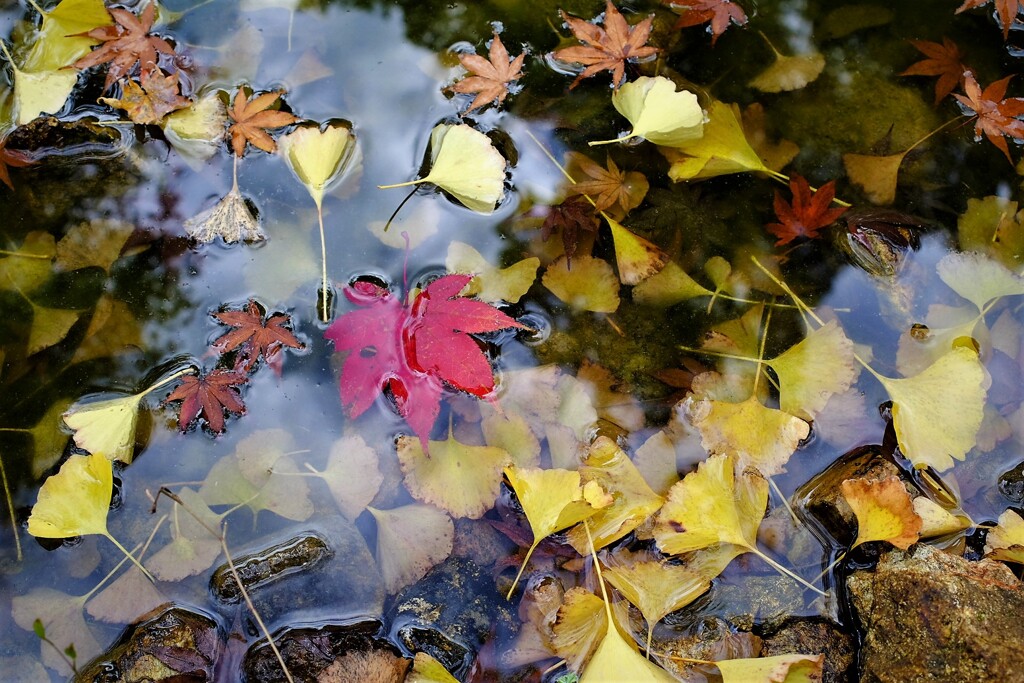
x=490, y=283
x=579, y=627
x=410, y=540
x=978, y=278
x=64, y=620
x=426, y=669
x=777, y=669
x=723, y=149
x=193, y=548
x=460, y=479
x=658, y=112
x=876, y=175
x=352, y=474
x=668, y=287
x=789, y=72
x=318, y=155
x=636, y=257
x=812, y=370
x=1005, y=541
x=588, y=285
x=617, y=660
x=884, y=511
x=950, y=393
x=465, y=164
x=937, y=520
x=553, y=500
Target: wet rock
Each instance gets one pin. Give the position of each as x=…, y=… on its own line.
x=174, y=644
x=450, y=613
x=333, y=653
x=751, y=600
x=930, y=616
x=813, y=636
x=268, y=565
x=709, y=639
x=48, y=136
x=1011, y=484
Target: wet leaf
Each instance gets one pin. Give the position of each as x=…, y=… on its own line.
x=589, y=285
x=491, y=77
x=943, y=60
x=126, y=43
x=937, y=520
x=410, y=540
x=978, y=278
x=196, y=131
x=617, y=660
x=608, y=47
x=668, y=287
x=994, y=226
x=230, y=219
x=460, y=479
x=64, y=621
x=637, y=258
x=612, y=402
x=658, y=112
x=876, y=175
x=49, y=326
x=490, y=283
x=774, y=155
x=465, y=164
x=97, y=243
x=48, y=439
x=1006, y=12
x=30, y=265
x=808, y=213
x=814, y=369
x=884, y=511
x=253, y=118
x=777, y=669
x=62, y=36
x=426, y=669
x=944, y=328
x=352, y=474
x=192, y=549
x=575, y=221
x=579, y=627
x=40, y=92
x=318, y=155
x=106, y=427
x=511, y=433
x=255, y=337
x=613, y=190
x=208, y=396
x=788, y=72
x=723, y=149
x=1006, y=540
x=996, y=116
x=149, y=102
x=718, y=14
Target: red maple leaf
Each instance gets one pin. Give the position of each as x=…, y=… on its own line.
x=808, y=213
x=412, y=351
x=1006, y=11
x=720, y=13
x=209, y=396
x=125, y=44
x=997, y=116
x=255, y=336
x=944, y=61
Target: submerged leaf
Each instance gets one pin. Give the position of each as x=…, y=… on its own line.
x=490, y=283
x=723, y=149
x=668, y=287
x=410, y=540
x=636, y=257
x=884, y=511
x=230, y=219
x=589, y=285
x=876, y=175
x=789, y=72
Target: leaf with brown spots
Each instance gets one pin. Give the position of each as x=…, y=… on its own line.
x=150, y=102
x=944, y=61
x=491, y=77
x=607, y=48
x=125, y=44
x=253, y=118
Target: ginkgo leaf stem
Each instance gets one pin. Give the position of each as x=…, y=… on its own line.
x=826, y=570
x=595, y=143
x=405, y=184
x=522, y=568
x=791, y=574
x=784, y=179
x=324, y=316
x=600, y=577
x=141, y=549
x=10, y=511
x=937, y=130
x=760, y=352
x=18, y=254
x=785, y=501
x=234, y=173
x=130, y=557
x=398, y=208
x=10, y=59
x=37, y=7
x=722, y=354
x=167, y=380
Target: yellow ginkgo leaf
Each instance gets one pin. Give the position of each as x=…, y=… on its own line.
x=75, y=502
x=937, y=520
x=712, y=506
x=1005, y=541
x=789, y=72
x=813, y=369
x=636, y=257
x=318, y=154
x=617, y=660
x=62, y=38
x=352, y=474
x=460, y=479
x=777, y=669
x=668, y=287
x=579, y=627
x=995, y=226
x=758, y=436
x=884, y=511
x=426, y=669
x=658, y=112
x=553, y=500
x=950, y=393
x=41, y=92
x=978, y=278
x=723, y=149
x=489, y=283
x=511, y=433
x=634, y=501
x=196, y=131
x=588, y=285
x=465, y=164
x=410, y=540
x=876, y=175
x=610, y=398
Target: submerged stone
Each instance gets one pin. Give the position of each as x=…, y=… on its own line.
x=812, y=636
x=268, y=565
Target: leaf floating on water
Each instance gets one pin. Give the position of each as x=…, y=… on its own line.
x=208, y=396
x=490, y=283
x=230, y=219
x=149, y=103
x=410, y=540
x=608, y=47
x=636, y=257
x=319, y=155
x=668, y=287
x=426, y=669
x=197, y=130
x=617, y=660
x=253, y=118
x=589, y=285
x=978, y=278
x=884, y=511
x=125, y=43
x=718, y=14
x=465, y=164
x=722, y=150
x=106, y=427
x=658, y=112
x=778, y=669
x=491, y=77
x=814, y=369
x=1006, y=540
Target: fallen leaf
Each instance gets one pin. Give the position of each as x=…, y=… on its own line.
x=978, y=278
x=579, y=627
x=778, y=669
x=723, y=149
x=637, y=258
x=352, y=474
x=876, y=175
x=48, y=439
x=253, y=118
x=944, y=61
x=106, y=427
x=1006, y=12
x=63, y=34
x=937, y=520
x=490, y=283
x=125, y=44
x=1005, y=541
x=668, y=287
x=230, y=218
x=193, y=548
x=814, y=369
x=127, y=598
x=607, y=48
x=426, y=669
x=149, y=102
x=590, y=285
x=95, y=244
x=788, y=72
x=460, y=479
x=63, y=618
x=718, y=14
x=197, y=130
x=511, y=433
x=49, y=326
x=40, y=92
x=410, y=540
x=992, y=225
x=572, y=218
x=809, y=212
x=658, y=112
x=617, y=660
x=30, y=265
x=10, y=158
x=319, y=154
x=491, y=77
x=884, y=511
x=208, y=396
x=465, y=164
x=607, y=395
x=615, y=191
x=254, y=336
x=996, y=116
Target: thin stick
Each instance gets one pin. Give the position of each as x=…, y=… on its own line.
x=37, y=7
x=760, y=353
x=10, y=511
x=248, y=602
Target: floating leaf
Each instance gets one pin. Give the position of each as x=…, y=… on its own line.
x=230, y=219
x=609, y=47
x=490, y=283
x=814, y=369
x=253, y=118
x=658, y=113
x=318, y=155
x=951, y=393
x=579, y=627
x=76, y=500
x=777, y=669
x=1005, y=541
x=426, y=669
x=40, y=92
x=152, y=100
x=723, y=149
x=589, y=285
x=463, y=480
x=636, y=257
x=62, y=36
x=937, y=520
x=197, y=130
x=617, y=660
x=788, y=72
x=668, y=287
x=978, y=278
x=491, y=77
x=410, y=540
x=884, y=511
x=465, y=164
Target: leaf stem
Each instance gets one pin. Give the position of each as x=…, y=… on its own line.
x=522, y=568
x=395, y=213
x=839, y=558
x=18, y=254
x=946, y=124
x=324, y=315
x=130, y=557
x=595, y=143
x=760, y=352
x=10, y=511
x=168, y=380
x=784, y=500
x=37, y=8
x=405, y=184
x=782, y=570
x=721, y=354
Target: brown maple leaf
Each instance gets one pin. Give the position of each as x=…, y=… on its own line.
x=491, y=77
x=209, y=396
x=615, y=191
x=570, y=218
x=808, y=213
x=11, y=158
x=252, y=118
x=720, y=13
x=606, y=48
x=255, y=336
x=997, y=116
x=944, y=61
x=125, y=43
x=1006, y=11
x=148, y=103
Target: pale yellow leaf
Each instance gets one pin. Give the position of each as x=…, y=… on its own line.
x=318, y=154
x=352, y=474
x=723, y=149
x=490, y=283
x=426, y=669
x=978, y=278
x=75, y=501
x=658, y=112
x=1006, y=540
x=193, y=548
x=579, y=626
x=777, y=669
x=588, y=285
x=813, y=369
x=106, y=427
x=616, y=660
x=937, y=520
x=789, y=72
x=668, y=287
x=410, y=540
x=636, y=257
x=63, y=618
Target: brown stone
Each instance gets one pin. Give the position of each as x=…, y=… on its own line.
x=802, y=635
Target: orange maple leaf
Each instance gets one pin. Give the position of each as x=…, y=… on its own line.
x=1006, y=11
x=944, y=61
x=997, y=116
x=612, y=190
x=150, y=102
x=720, y=13
x=607, y=48
x=11, y=158
x=491, y=77
x=125, y=43
x=808, y=213
x=252, y=118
